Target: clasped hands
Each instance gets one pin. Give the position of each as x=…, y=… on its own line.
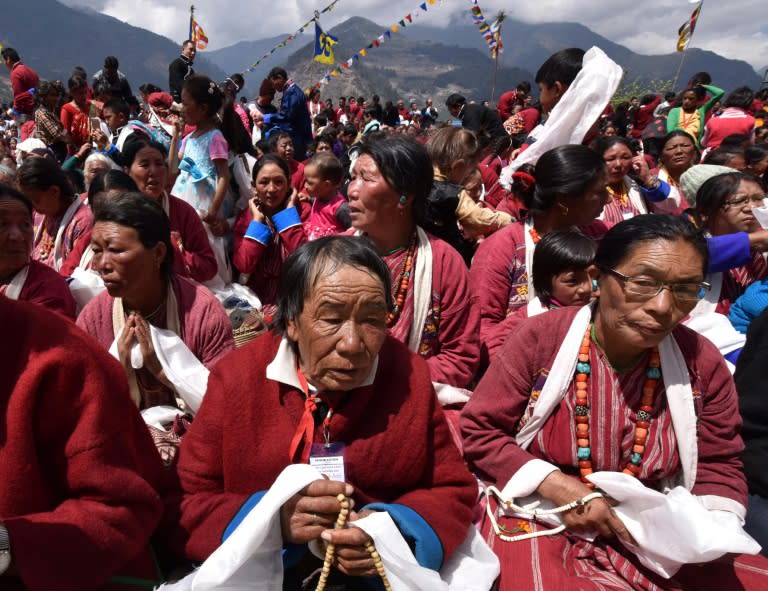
x=312, y=512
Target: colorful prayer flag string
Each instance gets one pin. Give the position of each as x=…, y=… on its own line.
x=491, y=32
x=375, y=43
x=290, y=38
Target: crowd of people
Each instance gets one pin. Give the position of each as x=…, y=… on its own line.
x=234, y=288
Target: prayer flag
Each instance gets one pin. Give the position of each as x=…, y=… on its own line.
x=324, y=43
x=685, y=32
x=198, y=35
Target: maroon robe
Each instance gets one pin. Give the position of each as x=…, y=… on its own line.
x=45, y=287
x=193, y=256
x=398, y=449
x=449, y=340
x=78, y=467
x=205, y=329
x=492, y=417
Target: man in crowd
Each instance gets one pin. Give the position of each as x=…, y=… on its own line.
x=23, y=79
x=478, y=118
x=181, y=68
x=293, y=114
x=111, y=81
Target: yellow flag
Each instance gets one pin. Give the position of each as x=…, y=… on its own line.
x=324, y=46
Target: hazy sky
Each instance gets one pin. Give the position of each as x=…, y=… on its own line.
x=735, y=29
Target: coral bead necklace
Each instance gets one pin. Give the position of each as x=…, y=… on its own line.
x=581, y=412
x=403, y=280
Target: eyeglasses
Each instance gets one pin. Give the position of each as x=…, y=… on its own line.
x=647, y=288
x=758, y=200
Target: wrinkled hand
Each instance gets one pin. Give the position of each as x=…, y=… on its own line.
x=144, y=338
x=304, y=197
x=178, y=122
x=219, y=227
x=254, y=204
x=596, y=516
x=125, y=343
x=311, y=511
x=352, y=557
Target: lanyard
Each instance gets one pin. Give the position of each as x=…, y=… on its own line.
x=305, y=431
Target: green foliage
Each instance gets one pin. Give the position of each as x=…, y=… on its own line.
x=638, y=88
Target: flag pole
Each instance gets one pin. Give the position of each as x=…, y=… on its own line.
x=191, y=22
x=688, y=43
x=679, y=68
x=500, y=21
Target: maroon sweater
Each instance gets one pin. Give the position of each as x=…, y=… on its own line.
x=398, y=447
x=77, y=464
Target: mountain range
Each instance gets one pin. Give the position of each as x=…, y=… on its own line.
x=419, y=61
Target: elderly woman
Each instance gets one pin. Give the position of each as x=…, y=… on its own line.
x=566, y=189
x=630, y=197
x=132, y=253
x=724, y=206
x=678, y=154
x=331, y=361
x=618, y=386
x=434, y=314
x=61, y=218
x=270, y=228
x=20, y=277
x=145, y=162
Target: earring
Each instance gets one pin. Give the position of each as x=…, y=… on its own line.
x=594, y=285
x=403, y=199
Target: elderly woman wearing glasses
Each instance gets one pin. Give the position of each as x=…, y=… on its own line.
x=615, y=386
x=724, y=205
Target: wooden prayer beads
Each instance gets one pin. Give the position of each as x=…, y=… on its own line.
x=341, y=522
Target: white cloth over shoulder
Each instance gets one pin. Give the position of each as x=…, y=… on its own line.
x=188, y=376
x=251, y=558
x=575, y=113
x=672, y=529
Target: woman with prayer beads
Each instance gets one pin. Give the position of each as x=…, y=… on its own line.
x=615, y=386
x=434, y=313
x=328, y=378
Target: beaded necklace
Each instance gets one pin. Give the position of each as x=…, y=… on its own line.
x=47, y=242
x=401, y=286
x=621, y=196
x=581, y=412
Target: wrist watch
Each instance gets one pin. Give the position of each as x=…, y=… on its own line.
x=5, y=550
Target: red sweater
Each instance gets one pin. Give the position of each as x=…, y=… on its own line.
x=45, y=287
x=76, y=462
x=398, y=448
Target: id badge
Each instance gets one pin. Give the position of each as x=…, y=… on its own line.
x=328, y=458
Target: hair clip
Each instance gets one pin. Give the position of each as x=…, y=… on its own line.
x=211, y=88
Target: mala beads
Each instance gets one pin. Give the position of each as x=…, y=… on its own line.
x=341, y=522
x=581, y=412
x=402, y=283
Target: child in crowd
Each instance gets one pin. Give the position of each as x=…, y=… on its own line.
x=564, y=274
x=330, y=213
x=203, y=168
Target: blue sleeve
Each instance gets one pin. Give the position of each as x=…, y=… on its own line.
x=733, y=356
x=259, y=232
x=291, y=101
x=660, y=193
x=267, y=118
x=288, y=218
x=728, y=252
x=427, y=547
x=292, y=553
